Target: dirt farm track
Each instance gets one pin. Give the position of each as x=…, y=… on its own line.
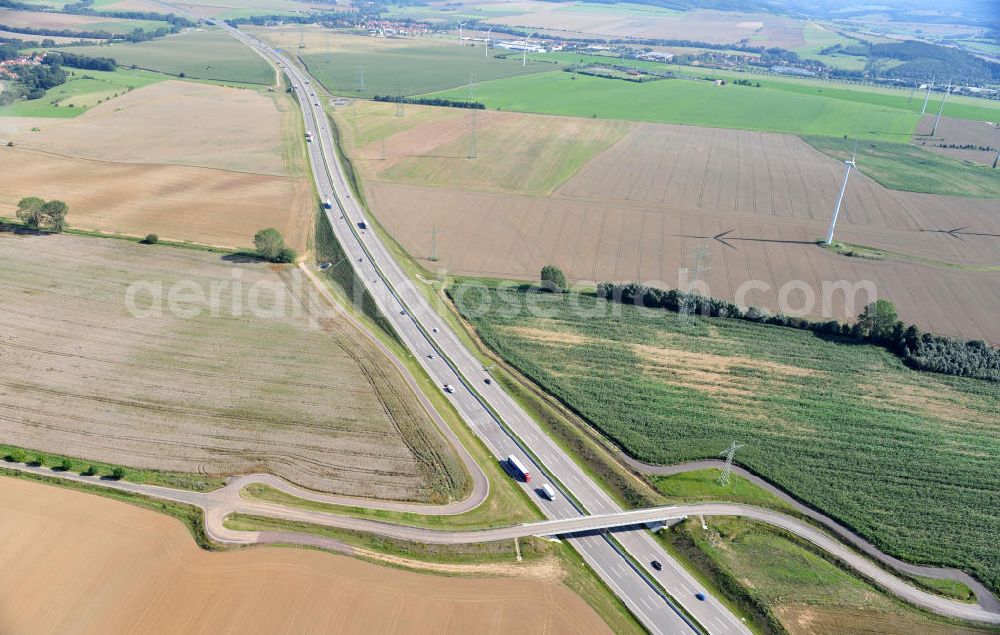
x=756, y=202
x=80, y=563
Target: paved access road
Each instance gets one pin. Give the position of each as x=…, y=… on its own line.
x=227, y=500
x=503, y=426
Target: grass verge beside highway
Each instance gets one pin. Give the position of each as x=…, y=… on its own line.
x=777, y=580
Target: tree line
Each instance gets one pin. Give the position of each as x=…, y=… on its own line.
x=431, y=101
x=877, y=324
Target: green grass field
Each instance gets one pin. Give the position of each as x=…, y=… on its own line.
x=900, y=166
x=413, y=70
x=198, y=54
x=83, y=91
x=785, y=582
x=694, y=103
x=782, y=104
x=906, y=458
x=819, y=37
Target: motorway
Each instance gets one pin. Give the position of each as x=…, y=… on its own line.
x=503, y=426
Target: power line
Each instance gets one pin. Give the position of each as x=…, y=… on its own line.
x=727, y=469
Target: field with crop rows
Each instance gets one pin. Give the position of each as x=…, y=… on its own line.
x=908, y=459
x=215, y=366
x=198, y=54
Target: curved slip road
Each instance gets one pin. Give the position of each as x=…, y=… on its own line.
x=984, y=597
x=219, y=504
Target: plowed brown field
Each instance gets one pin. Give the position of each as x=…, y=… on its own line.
x=245, y=384
x=959, y=132
x=76, y=562
x=756, y=202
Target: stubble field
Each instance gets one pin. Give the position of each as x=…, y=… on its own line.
x=642, y=208
x=184, y=160
x=72, y=22
x=64, y=553
x=245, y=382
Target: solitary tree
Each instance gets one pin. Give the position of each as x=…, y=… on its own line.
x=877, y=320
x=553, y=279
x=118, y=473
x=151, y=239
x=269, y=243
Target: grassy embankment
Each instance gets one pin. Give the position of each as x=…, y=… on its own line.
x=899, y=456
x=781, y=582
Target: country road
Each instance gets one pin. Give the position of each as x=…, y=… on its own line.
x=219, y=504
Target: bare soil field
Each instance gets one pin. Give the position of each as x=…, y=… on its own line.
x=780, y=177
x=509, y=236
x=959, y=132
x=64, y=553
x=232, y=377
x=642, y=208
x=176, y=202
x=717, y=27
x=184, y=123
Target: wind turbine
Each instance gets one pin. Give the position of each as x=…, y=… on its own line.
x=460, y=25
x=941, y=109
x=487, y=47
x=524, y=59
x=927, y=97
x=848, y=166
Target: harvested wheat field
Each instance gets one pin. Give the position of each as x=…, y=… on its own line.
x=67, y=21
x=240, y=378
x=641, y=208
x=184, y=160
x=80, y=563
x=176, y=202
x=183, y=123
x=983, y=135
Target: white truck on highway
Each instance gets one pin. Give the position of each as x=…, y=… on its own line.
x=549, y=492
x=519, y=469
